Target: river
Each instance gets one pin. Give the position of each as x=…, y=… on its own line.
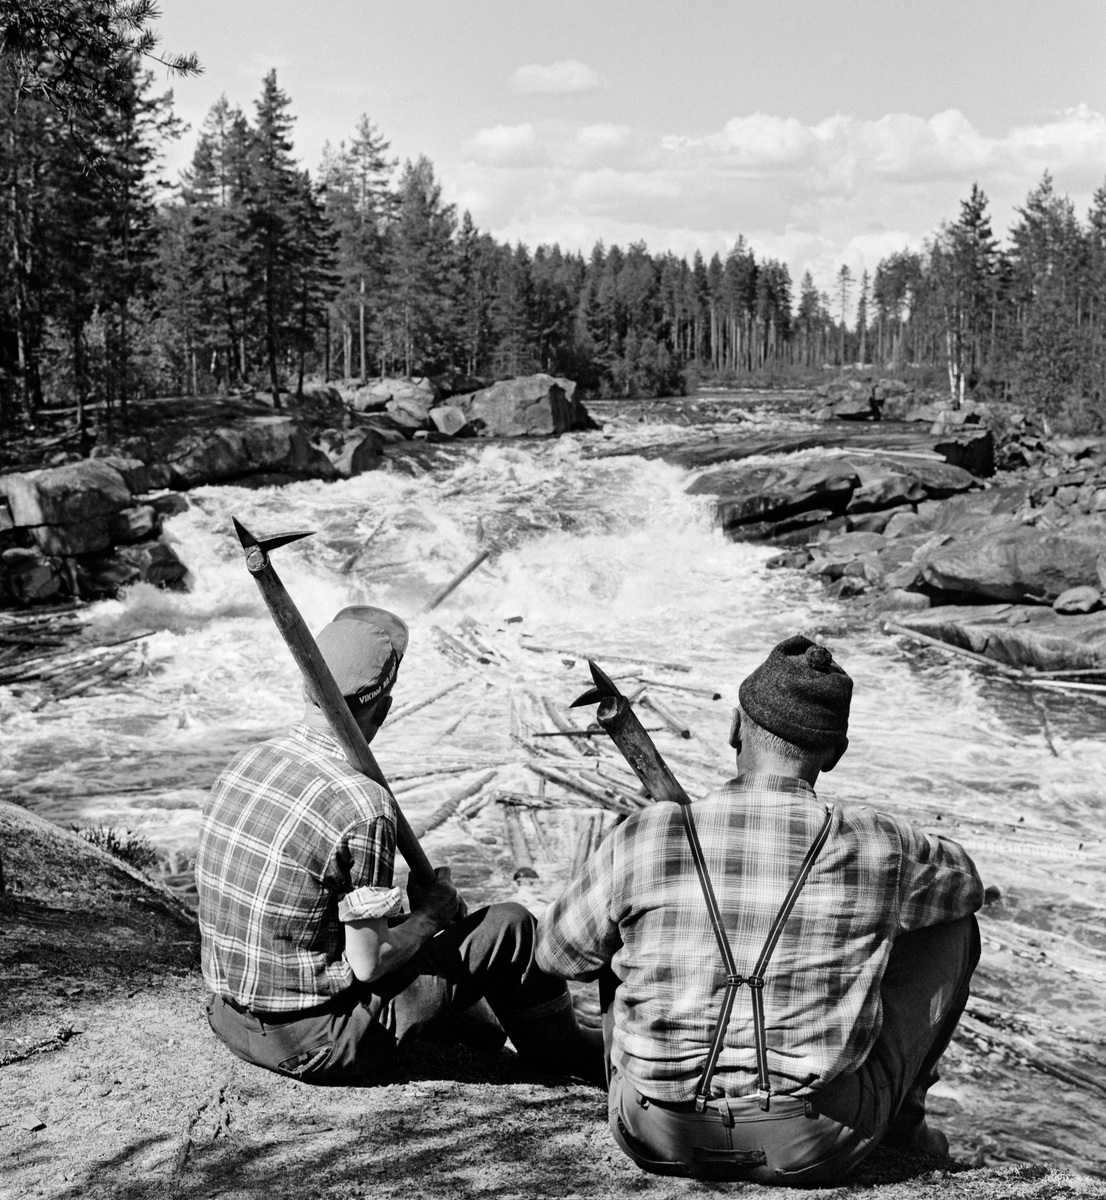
x=600, y=556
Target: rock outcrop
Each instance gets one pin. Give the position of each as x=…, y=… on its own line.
x=777, y=501
x=532, y=406
x=275, y=446
x=1020, y=564
x=79, y=530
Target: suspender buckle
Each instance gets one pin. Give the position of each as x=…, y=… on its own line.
x=701, y=1103
x=754, y=981
x=763, y=1098
x=735, y=980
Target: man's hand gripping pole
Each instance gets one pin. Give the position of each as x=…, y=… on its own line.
x=320, y=682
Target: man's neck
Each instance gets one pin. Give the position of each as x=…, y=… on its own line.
x=753, y=763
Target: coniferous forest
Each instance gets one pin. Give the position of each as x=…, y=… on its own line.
x=251, y=271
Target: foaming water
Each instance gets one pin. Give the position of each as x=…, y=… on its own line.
x=603, y=557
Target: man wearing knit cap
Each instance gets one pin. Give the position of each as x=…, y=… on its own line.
x=785, y=973
x=312, y=969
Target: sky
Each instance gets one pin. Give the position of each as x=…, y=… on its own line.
x=823, y=132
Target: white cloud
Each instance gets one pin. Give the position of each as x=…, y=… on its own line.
x=556, y=78
x=814, y=195
x=504, y=145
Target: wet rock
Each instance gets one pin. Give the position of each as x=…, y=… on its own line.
x=137, y=475
x=449, y=419
x=259, y=445
x=790, y=560
x=323, y=394
x=133, y=524
x=418, y=392
x=148, y=562
x=879, y=522
x=885, y=389
x=972, y=448
x=169, y=504
x=1078, y=600
x=67, y=508
x=410, y=411
x=367, y=454
x=886, y=489
x=27, y=576
x=777, y=491
x=902, y=523
x=900, y=600
x=1019, y=564
x=531, y=406
x=1043, y=639
x=850, y=400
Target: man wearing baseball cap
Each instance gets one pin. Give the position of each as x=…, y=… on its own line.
x=312, y=969
x=786, y=973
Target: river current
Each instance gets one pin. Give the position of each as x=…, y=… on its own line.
x=600, y=556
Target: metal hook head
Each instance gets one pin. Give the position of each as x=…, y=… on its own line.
x=604, y=687
x=251, y=541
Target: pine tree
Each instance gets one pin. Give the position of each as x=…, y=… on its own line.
x=273, y=199
x=421, y=278
x=844, y=290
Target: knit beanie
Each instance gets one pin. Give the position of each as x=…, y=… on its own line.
x=800, y=694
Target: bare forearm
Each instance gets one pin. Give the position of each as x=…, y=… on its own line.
x=375, y=952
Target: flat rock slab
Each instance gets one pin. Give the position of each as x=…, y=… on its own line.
x=972, y=449
x=1017, y=564
x=1019, y=635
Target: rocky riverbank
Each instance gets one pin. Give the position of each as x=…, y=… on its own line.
x=85, y=528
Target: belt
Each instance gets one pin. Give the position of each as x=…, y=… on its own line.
x=724, y=1105
x=283, y=1018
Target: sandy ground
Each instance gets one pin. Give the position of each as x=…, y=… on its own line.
x=111, y=1084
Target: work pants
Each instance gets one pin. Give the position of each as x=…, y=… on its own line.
x=820, y=1138
x=352, y=1038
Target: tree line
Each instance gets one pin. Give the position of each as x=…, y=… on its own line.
x=252, y=272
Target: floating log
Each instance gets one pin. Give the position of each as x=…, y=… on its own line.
x=516, y=842
x=36, y=668
x=683, y=687
x=578, y=785
x=448, y=807
x=452, y=728
x=667, y=716
x=458, y=579
x=464, y=652
x=590, y=834
x=949, y=648
x=82, y=680
x=414, y=707
x=928, y=455
x=1033, y=1054
x=1064, y=685
x=631, y=658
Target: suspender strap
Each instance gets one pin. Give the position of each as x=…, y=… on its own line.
x=755, y=981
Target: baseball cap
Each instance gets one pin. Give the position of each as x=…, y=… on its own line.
x=363, y=647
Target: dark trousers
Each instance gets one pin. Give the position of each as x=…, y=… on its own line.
x=351, y=1039
x=820, y=1138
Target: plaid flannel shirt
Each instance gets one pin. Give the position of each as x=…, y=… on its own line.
x=638, y=906
x=293, y=841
